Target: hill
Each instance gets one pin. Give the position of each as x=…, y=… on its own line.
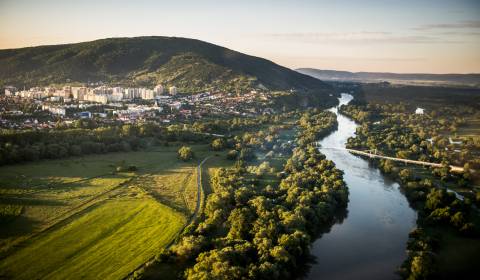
x=189, y=64
x=471, y=80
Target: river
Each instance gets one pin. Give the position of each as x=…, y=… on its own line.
x=370, y=242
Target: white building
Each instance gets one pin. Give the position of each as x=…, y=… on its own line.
x=36, y=93
x=117, y=94
x=67, y=90
x=175, y=105
x=172, y=90
x=419, y=111
x=117, y=90
x=10, y=91
x=102, y=90
x=99, y=98
x=129, y=93
x=49, y=91
x=54, y=110
x=148, y=94
x=158, y=90
x=79, y=93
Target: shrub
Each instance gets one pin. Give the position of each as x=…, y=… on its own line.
x=185, y=153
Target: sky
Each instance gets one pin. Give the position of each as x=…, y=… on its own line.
x=422, y=36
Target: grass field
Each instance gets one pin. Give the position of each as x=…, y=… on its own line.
x=470, y=129
x=215, y=161
x=78, y=218
x=107, y=242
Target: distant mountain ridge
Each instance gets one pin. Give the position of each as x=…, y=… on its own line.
x=190, y=65
x=453, y=79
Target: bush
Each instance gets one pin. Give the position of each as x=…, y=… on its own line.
x=132, y=168
x=218, y=144
x=185, y=153
x=232, y=155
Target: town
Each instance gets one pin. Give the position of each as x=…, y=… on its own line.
x=46, y=107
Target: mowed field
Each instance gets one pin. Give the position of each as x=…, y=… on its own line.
x=79, y=218
x=107, y=242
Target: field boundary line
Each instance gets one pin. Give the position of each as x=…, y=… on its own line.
x=189, y=222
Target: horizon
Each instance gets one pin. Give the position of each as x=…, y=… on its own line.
x=306, y=67
x=434, y=37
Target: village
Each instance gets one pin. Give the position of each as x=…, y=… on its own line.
x=48, y=107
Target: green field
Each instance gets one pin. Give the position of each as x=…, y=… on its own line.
x=107, y=242
x=79, y=218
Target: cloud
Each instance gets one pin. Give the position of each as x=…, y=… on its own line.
x=363, y=37
x=460, y=33
x=468, y=24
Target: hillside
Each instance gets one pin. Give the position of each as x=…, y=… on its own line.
x=472, y=80
x=189, y=64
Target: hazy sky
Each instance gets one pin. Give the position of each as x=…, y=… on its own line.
x=436, y=36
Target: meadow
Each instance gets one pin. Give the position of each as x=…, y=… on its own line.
x=85, y=218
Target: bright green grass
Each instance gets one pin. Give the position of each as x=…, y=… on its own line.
x=81, y=219
x=105, y=243
x=49, y=190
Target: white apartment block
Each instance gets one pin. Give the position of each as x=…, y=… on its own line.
x=158, y=90
x=54, y=110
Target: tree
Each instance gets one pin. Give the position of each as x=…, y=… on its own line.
x=405, y=174
x=388, y=166
x=232, y=155
x=239, y=220
x=457, y=220
x=247, y=154
x=189, y=247
x=218, y=144
x=185, y=153
x=421, y=267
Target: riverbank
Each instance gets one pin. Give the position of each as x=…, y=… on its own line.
x=370, y=242
x=445, y=244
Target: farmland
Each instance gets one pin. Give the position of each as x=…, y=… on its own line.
x=82, y=216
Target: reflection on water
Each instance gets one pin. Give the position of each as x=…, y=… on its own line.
x=370, y=242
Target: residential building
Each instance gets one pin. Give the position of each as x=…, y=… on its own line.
x=158, y=90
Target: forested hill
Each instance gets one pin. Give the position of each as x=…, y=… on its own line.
x=189, y=64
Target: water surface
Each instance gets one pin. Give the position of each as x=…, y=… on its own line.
x=370, y=243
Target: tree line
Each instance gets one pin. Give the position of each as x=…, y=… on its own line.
x=85, y=137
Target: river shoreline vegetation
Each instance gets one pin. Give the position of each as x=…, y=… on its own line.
x=447, y=203
x=254, y=226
